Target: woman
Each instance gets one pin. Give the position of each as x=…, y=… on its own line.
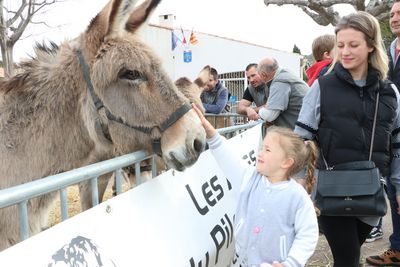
x=338, y=111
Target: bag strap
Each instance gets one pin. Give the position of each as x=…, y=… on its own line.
x=374, y=126
x=372, y=134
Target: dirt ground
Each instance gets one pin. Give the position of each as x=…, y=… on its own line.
x=74, y=205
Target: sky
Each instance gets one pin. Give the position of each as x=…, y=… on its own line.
x=278, y=27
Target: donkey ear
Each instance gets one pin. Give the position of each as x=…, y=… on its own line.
x=115, y=19
x=203, y=77
x=119, y=13
x=141, y=14
x=125, y=17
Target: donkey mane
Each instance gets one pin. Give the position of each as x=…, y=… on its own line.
x=31, y=94
x=14, y=83
x=49, y=48
x=45, y=53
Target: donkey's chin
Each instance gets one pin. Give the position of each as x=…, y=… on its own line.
x=180, y=163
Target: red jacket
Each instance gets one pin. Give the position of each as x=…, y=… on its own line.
x=314, y=71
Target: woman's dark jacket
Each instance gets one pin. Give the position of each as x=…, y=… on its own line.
x=347, y=113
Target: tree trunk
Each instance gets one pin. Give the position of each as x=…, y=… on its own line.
x=8, y=62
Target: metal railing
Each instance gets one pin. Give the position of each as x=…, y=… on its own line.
x=21, y=194
x=223, y=120
x=236, y=82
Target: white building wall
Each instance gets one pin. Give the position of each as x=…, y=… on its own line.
x=225, y=55
x=160, y=40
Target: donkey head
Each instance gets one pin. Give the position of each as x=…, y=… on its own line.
x=137, y=102
x=193, y=90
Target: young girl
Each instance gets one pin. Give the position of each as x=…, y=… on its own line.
x=275, y=220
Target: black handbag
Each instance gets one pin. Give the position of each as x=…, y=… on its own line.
x=352, y=188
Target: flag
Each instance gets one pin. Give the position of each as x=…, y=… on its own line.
x=183, y=36
x=193, y=39
x=174, y=40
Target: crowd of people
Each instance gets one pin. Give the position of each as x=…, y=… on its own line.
x=330, y=120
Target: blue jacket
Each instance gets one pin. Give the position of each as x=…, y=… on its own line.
x=214, y=101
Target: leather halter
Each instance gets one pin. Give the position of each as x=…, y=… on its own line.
x=156, y=143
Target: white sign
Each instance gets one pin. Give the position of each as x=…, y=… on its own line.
x=177, y=219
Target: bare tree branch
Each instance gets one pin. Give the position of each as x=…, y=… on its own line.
x=322, y=12
x=383, y=7
x=316, y=17
x=360, y=5
x=372, y=3
x=322, y=3
x=383, y=16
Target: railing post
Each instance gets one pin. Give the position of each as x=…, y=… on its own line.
x=138, y=178
x=153, y=166
x=118, y=181
x=23, y=219
x=64, y=203
x=95, y=191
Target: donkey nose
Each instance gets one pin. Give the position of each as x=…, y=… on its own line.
x=198, y=145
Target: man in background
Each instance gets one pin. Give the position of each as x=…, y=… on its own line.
x=214, y=96
x=256, y=92
x=286, y=93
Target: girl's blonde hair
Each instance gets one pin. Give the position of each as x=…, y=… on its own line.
x=303, y=153
x=369, y=26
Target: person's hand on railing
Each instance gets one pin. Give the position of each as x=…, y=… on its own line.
x=252, y=114
x=210, y=130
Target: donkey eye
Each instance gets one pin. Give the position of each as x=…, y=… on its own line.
x=129, y=74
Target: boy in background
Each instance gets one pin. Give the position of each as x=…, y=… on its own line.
x=323, y=52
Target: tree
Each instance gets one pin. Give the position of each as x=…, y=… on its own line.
x=387, y=34
x=323, y=13
x=296, y=49
x=13, y=22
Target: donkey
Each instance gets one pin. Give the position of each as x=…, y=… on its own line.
x=97, y=96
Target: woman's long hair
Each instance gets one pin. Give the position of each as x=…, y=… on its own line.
x=369, y=26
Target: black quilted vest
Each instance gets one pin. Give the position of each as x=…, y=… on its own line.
x=347, y=113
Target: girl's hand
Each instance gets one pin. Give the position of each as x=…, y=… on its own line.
x=210, y=130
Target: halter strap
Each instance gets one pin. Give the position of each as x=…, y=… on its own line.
x=96, y=100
